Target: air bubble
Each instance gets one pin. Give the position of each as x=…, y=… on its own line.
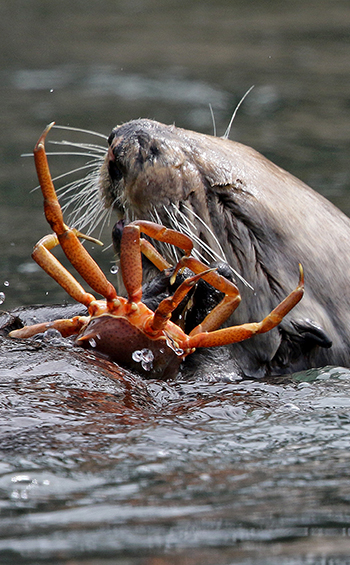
x=6, y=283
x=2, y=297
x=114, y=269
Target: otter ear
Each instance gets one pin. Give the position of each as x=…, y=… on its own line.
x=309, y=334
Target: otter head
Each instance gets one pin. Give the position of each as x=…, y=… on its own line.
x=164, y=174
x=146, y=168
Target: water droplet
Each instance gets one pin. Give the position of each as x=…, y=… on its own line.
x=6, y=283
x=47, y=293
x=114, y=269
x=146, y=359
x=53, y=337
x=24, y=486
x=2, y=297
x=137, y=356
x=173, y=346
x=21, y=479
x=92, y=342
x=52, y=332
x=147, y=355
x=15, y=494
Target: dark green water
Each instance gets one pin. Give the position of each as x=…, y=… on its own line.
x=206, y=473
x=250, y=473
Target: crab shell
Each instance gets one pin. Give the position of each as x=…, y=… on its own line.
x=116, y=339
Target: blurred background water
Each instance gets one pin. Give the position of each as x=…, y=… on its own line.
x=238, y=473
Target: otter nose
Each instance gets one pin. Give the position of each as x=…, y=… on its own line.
x=135, y=147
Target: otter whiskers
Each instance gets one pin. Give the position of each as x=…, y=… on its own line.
x=182, y=223
x=81, y=197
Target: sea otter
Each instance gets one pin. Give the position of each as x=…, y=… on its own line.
x=257, y=218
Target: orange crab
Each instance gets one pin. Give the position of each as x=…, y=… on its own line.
x=125, y=330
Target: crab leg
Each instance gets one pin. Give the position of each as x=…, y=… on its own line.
x=131, y=266
x=153, y=255
x=168, y=305
x=228, y=304
x=67, y=237
x=43, y=256
x=66, y=327
x=245, y=331
x=130, y=252
x=167, y=235
x=218, y=315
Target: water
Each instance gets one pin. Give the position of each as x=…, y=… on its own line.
x=95, y=473
x=209, y=472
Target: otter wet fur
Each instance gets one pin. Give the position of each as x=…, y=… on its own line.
x=243, y=211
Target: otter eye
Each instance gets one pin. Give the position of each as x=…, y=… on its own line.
x=111, y=137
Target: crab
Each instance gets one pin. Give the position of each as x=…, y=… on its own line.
x=125, y=330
